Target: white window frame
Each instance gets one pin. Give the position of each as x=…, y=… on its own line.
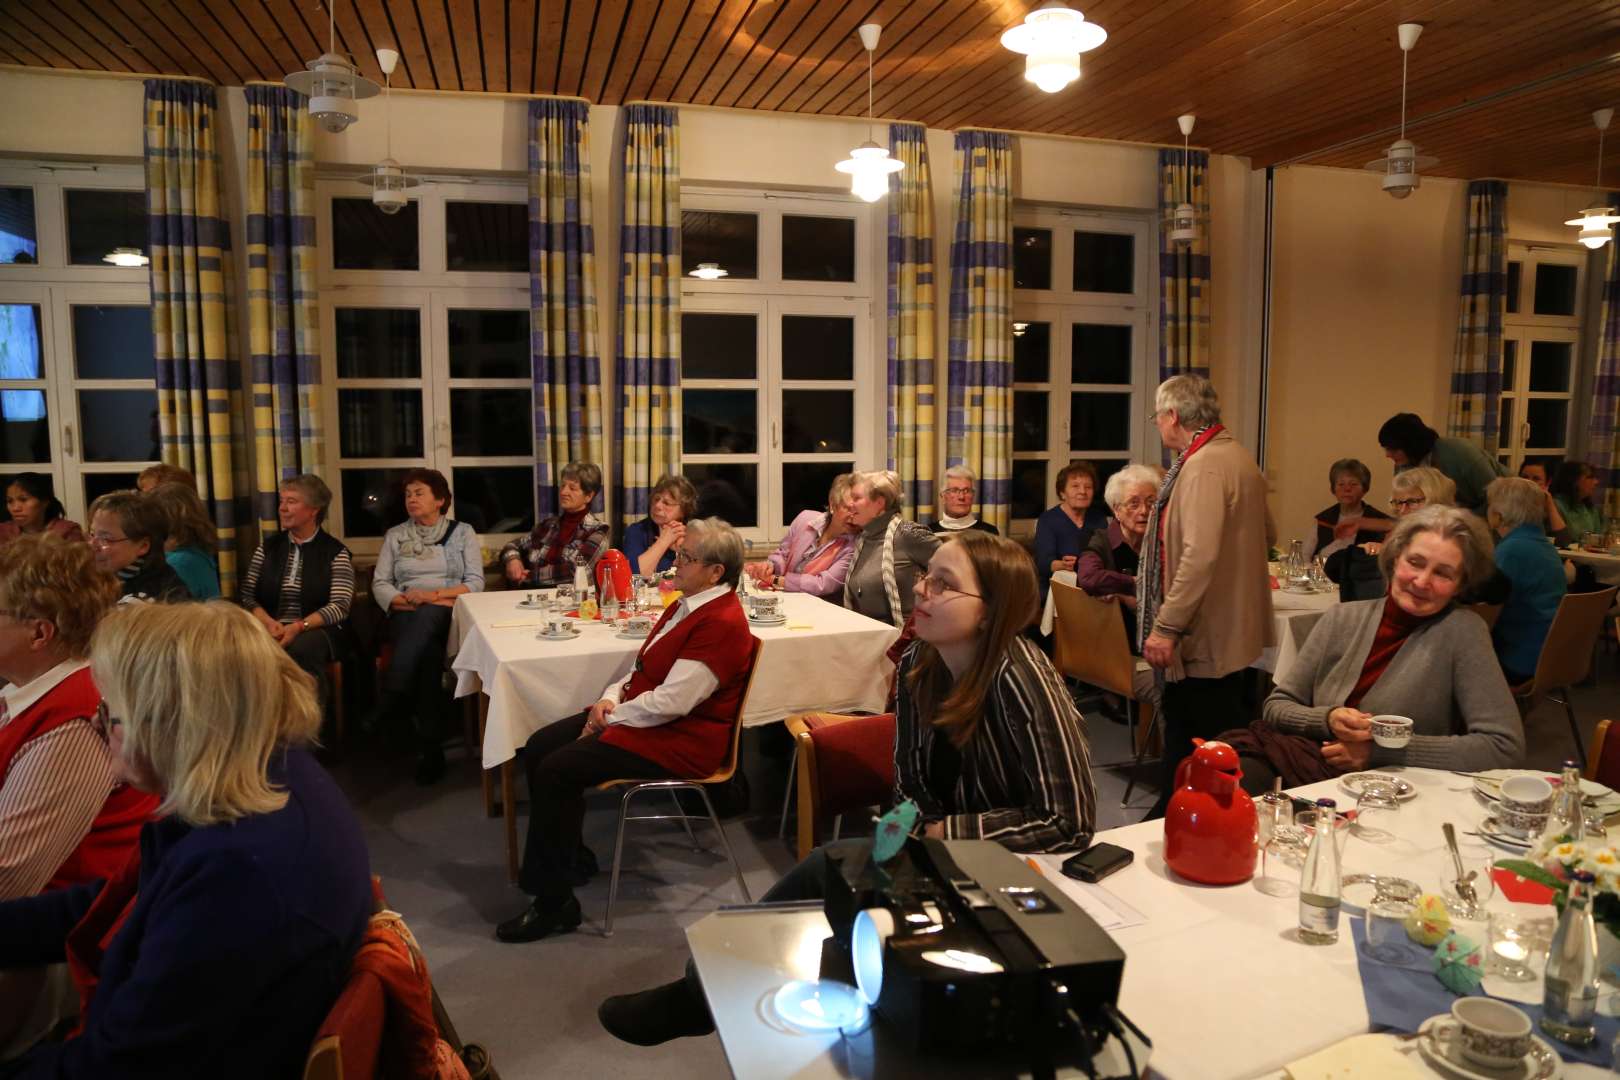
x=1522, y=328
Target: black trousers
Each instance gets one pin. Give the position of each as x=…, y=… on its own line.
x=413, y=686
x=312, y=650
x=561, y=767
x=1201, y=708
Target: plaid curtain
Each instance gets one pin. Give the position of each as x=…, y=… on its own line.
x=284, y=347
x=562, y=294
x=1184, y=301
x=1476, y=365
x=979, y=432
x=1603, y=432
x=911, y=321
x=199, y=377
x=647, y=441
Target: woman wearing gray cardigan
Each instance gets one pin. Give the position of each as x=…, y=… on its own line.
x=890, y=552
x=1413, y=653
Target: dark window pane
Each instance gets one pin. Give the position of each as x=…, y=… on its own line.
x=486, y=237
x=1106, y=467
x=99, y=221
x=489, y=344
x=379, y=343
x=365, y=238
x=1555, y=289
x=98, y=484
x=112, y=342
x=1030, y=494
x=715, y=346
x=730, y=241
x=1509, y=434
x=1099, y=421
x=805, y=485
x=119, y=425
x=1515, y=281
x=25, y=434
x=1510, y=362
x=373, y=500
x=1029, y=420
x=491, y=423
x=1104, y=262
x=19, y=240
x=818, y=248
x=494, y=498
x=1032, y=352
x=1549, y=423
x=818, y=421
x=1032, y=258
x=818, y=347
x=719, y=421
x=1102, y=354
x=1550, y=365
x=20, y=351
x=380, y=423
x=728, y=492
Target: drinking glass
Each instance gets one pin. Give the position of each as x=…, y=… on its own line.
x=1386, y=928
x=1274, y=813
x=565, y=596
x=1377, y=812
x=1517, y=942
x=1477, y=859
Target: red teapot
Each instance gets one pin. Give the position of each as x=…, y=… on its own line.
x=1210, y=827
x=614, y=564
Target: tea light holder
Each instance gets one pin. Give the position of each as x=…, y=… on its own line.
x=1516, y=943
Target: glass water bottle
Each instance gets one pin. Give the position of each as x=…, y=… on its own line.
x=1571, y=995
x=1319, y=881
x=1568, y=816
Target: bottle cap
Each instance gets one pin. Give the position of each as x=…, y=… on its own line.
x=1571, y=765
x=1585, y=877
x=1328, y=803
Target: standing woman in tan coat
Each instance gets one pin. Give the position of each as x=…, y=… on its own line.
x=1203, y=596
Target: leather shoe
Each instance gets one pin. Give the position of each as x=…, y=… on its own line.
x=672, y=1011
x=535, y=922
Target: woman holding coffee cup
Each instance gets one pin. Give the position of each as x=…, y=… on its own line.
x=1413, y=654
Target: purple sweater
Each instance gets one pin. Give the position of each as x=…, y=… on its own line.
x=796, y=549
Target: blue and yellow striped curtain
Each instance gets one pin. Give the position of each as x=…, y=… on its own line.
x=199, y=376
x=647, y=441
x=1184, y=300
x=979, y=429
x=911, y=321
x=1603, y=431
x=1476, y=365
x=284, y=344
x=562, y=294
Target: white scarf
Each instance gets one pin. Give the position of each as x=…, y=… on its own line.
x=956, y=524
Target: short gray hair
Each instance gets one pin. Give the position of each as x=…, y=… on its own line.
x=961, y=472
x=1436, y=487
x=1129, y=477
x=1192, y=397
x=1461, y=527
x=710, y=540
x=885, y=484
x=1516, y=501
x=313, y=490
x=583, y=473
x=1355, y=468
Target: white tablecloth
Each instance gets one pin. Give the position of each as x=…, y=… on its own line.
x=1606, y=567
x=823, y=657
x=1215, y=977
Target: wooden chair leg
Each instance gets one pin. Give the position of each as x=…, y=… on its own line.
x=805, y=782
x=339, y=712
x=509, y=812
x=470, y=733
x=486, y=777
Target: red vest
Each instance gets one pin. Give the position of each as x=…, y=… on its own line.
x=113, y=834
x=697, y=744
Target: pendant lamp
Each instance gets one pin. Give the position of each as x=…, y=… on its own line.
x=1184, y=222
x=1597, y=222
x=332, y=84
x=869, y=165
x=387, y=180
x=1052, y=37
x=1401, y=162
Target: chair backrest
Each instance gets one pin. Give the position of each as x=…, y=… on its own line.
x=1566, y=655
x=726, y=770
x=1489, y=612
x=1603, y=763
x=1090, y=640
x=350, y=1040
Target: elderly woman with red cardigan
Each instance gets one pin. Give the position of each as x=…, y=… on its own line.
x=672, y=717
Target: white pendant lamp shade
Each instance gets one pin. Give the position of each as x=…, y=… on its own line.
x=1401, y=162
x=126, y=256
x=388, y=181
x=1052, y=37
x=1184, y=220
x=1596, y=223
x=708, y=271
x=332, y=84
x=869, y=165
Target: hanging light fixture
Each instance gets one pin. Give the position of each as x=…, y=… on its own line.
x=388, y=181
x=332, y=84
x=1401, y=162
x=126, y=256
x=1052, y=37
x=869, y=165
x=1184, y=222
x=1597, y=222
x=708, y=271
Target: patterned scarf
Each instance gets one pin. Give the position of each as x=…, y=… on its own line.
x=419, y=539
x=1150, y=570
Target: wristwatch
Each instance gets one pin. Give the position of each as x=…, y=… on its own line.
x=303, y=624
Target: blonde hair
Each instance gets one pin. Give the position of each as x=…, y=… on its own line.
x=45, y=577
x=1436, y=487
x=166, y=474
x=883, y=484
x=206, y=698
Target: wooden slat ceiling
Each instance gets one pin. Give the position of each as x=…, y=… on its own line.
x=1507, y=85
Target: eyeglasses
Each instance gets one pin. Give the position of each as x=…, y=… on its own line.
x=1407, y=504
x=931, y=585
x=103, y=540
x=104, y=721
x=1136, y=504
x=685, y=559
x=959, y=491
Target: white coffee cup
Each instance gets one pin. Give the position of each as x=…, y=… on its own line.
x=1488, y=1031
x=1391, y=732
x=558, y=625
x=1524, y=804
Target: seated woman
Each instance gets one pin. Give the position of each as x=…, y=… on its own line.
x=162, y=473
x=218, y=949
x=560, y=541
x=650, y=544
x=988, y=744
x=1534, y=572
x=34, y=508
x=815, y=556
x=424, y=564
x=890, y=552
x=299, y=584
x=956, y=497
x=1355, y=568
x=1350, y=520
x=1573, y=487
x=1414, y=653
x=127, y=534
x=1107, y=568
x=1061, y=532
x=191, y=541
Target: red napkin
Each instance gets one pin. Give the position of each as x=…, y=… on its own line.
x=1520, y=890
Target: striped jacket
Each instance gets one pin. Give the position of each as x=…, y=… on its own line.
x=1026, y=775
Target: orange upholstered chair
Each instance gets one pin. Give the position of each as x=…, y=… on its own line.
x=844, y=763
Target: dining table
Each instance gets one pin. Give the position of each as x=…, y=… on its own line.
x=1605, y=567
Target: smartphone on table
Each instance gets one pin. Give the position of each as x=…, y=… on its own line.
x=1097, y=862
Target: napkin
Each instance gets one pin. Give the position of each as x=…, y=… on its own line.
x=1360, y=1057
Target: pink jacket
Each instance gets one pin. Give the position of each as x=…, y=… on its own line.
x=799, y=544
x=67, y=530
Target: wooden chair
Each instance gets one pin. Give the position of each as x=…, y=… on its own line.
x=845, y=763
x=1089, y=645
x=1566, y=655
x=1604, y=763
x=1489, y=612
x=632, y=788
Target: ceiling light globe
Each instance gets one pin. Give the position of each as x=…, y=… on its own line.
x=334, y=114
x=1052, y=71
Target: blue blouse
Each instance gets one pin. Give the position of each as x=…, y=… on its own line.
x=637, y=539
x=1056, y=535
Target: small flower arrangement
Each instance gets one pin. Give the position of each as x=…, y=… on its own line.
x=1553, y=861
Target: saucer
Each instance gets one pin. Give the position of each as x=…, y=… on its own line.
x=778, y=621
x=547, y=636
x=1541, y=1063
x=1354, y=782
x=1492, y=830
x=632, y=635
x=536, y=606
